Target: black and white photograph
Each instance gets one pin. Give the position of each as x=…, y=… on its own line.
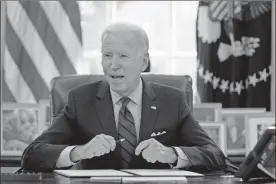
x=207, y=112
x=216, y=131
x=256, y=125
x=234, y=119
x=19, y=126
x=92, y=89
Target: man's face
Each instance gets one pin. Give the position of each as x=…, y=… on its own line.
x=122, y=62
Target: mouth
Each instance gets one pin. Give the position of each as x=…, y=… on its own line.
x=117, y=76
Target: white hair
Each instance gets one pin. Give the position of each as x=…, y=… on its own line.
x=122, y=27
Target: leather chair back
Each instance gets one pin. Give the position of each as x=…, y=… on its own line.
x=62, y=84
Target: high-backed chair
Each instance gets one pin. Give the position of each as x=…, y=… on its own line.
x=61, y=85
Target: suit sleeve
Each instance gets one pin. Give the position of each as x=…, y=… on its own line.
x=203, y=153
x=43, y=152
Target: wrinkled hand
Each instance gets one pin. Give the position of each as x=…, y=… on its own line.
x=153, y=151
x=98, y=146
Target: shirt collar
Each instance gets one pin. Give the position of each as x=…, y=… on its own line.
x=135, y=96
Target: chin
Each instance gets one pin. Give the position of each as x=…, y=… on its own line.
x=118, y=88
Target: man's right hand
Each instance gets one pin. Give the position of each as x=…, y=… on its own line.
x=98, y=146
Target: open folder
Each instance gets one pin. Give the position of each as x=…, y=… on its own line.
x=92, y=173
x=162, y=172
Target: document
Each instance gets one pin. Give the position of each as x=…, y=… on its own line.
x=155, y=179
x=91, y=173
x=162, y=172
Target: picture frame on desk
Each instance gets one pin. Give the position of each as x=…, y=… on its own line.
x=234, y=119
x=207, y=112
x=216, y=131
x=45, y=114
x=256, y=124
x=20, y=125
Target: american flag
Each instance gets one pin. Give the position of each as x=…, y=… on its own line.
x=234, y=53
x=43, y=40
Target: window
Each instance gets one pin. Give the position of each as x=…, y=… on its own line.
x=170, y=25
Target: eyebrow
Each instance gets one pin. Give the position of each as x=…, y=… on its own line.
x=120, y=52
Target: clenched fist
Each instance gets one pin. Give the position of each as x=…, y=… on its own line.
x=153, y=151
x=98, y=146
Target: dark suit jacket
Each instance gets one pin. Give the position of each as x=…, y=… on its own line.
x=89, y=112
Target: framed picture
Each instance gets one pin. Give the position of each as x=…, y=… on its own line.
x=216, y=132
x=45, y=114
x=256, y=124
x=19, y=127
x=207, y=112
x=234, y=119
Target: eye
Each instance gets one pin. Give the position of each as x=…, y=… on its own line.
x=107, y=56
x=124, y=56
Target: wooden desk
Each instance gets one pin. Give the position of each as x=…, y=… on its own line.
x=52, y=178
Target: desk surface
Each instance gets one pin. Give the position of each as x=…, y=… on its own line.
x=52, y=178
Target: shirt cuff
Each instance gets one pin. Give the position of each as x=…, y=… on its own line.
x=64, y=158
x=182, y=159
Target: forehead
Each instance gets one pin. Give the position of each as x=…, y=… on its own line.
x=124, y=40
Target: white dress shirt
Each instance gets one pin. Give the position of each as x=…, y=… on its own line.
x=135, y=107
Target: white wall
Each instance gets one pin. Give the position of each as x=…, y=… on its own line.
x=273, y=58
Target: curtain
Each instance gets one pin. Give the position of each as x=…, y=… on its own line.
x=273, y=58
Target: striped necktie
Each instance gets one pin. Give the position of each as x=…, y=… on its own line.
x=126, y=129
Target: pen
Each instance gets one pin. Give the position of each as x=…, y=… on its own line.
x=120, y=140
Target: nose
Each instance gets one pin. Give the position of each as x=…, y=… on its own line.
x=115, y=63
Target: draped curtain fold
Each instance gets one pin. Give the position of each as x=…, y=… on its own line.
x=273, y=58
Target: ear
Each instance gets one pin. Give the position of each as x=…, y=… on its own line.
x=145, y=62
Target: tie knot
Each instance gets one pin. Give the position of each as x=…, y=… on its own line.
x=125, y=101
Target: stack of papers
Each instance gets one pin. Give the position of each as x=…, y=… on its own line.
x=155, y=179
x=162, y=172
x=92, y=173
x=131, y=175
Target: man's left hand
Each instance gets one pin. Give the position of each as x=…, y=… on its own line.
x=153, y=151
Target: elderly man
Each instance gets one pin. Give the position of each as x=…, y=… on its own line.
x=108, y=124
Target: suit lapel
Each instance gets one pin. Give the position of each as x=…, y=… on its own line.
x=105, y=111
x=149, y=112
